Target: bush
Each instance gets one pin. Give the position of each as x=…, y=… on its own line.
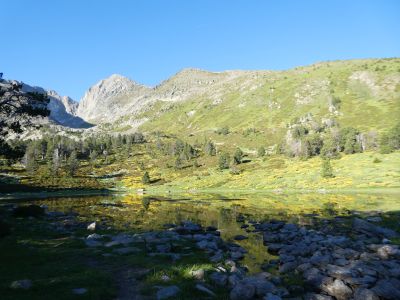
x=261, y=151
x=238, y=156
x=223, y=131
x=146, y=178
x=223, y=162
x=327, y=171
x=376, y=160
x=28, y=211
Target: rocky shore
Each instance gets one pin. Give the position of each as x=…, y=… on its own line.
x=325, y=259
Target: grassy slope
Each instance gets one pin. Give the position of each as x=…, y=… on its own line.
x=367, y=105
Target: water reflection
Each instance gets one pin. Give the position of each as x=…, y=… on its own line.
x=226, y=212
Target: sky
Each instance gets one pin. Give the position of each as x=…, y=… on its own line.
x=69, y=45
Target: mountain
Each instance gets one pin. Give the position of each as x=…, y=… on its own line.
x=111, y=98
x=62, y=108
x=361, y=93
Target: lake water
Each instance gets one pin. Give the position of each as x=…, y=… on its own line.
x=226, y=212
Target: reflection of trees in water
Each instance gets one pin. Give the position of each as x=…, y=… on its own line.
x=146, y=203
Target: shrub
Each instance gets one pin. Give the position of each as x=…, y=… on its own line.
x=146, y=178
x=223, y=162
x=238, y=156
x=327, y=171
x=376, y=160
x=223, y=131
x=261, y=151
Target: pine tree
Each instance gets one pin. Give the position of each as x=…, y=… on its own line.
x=238, y=156
x=327, y=171
x=72, y=163
x=224, y=160
x=146, y=178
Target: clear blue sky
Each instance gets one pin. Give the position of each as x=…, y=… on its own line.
x=70, y=45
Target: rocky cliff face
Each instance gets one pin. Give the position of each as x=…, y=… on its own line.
x=62, y=108
x=111, y=98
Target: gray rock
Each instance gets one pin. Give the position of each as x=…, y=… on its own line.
x=237, y=255
x=270, y=296
x=240, y=237
x=205, y=290
x=387, y=288
x=126, y=250
x=198, y=274
x=242, y=291
x=287, y=267
x=337, y=289
x=163, y=248
x=372, y=229
x=386, y=251
x=79, y=291
x=93, y=243
x=312, y=296
x=219, y=279
x=168, y=292
x=94, y=236
x=217, y=257
x=92, y=226
x=24, y=284
x=262, y=285
x=365, y=294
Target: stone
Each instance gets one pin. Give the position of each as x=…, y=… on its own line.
x=240, y=237
x=387, y=288
x=270, y=296
x=261, y=284
x=211, y=228
x=126, y=250
x=92, y=226
x=387, y=251
x=198, y=274
x=372, y=229
x=337, y=289
x=163, y=248
x=365, y=294
x=24, y=284
x=217, y=257
x=205, y=290
x=168, y=292
x=237, y=255
x=94, y=236
x=242, y=291
x=79, y=291
x=93, y=243
x=312, y=296
x=287, y=267
x=219, y=279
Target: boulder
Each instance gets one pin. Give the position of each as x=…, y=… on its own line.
x=373, y=230
x=242, y=291
x=79, y=291
x=205, y=290
x=365, y=294
x=24, y=284
x=168, y=292
x=92, y=226
x=337, y=289
x=387, y=288
x=219, y=279
x=198, y=274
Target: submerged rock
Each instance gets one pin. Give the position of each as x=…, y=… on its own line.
x=24, y=284
x=242, y=291
x=92, y=226
x=168, y=292
x=79, y=291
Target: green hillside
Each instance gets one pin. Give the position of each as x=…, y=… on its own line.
x=364, y=94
